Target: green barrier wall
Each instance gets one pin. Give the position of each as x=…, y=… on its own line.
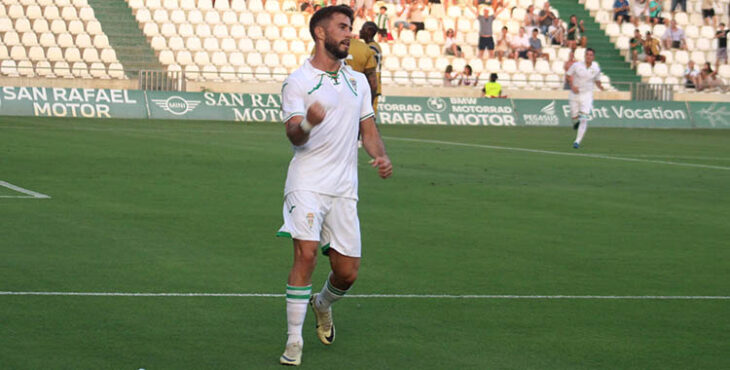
x=392, y=110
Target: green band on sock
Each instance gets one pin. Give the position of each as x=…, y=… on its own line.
x=298, y=296
x=334, y=290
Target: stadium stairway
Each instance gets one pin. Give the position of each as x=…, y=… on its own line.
x=609, y=58
x=122, y=29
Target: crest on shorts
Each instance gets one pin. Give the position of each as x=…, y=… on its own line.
x=310, y=219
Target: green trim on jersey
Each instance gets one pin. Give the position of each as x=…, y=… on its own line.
x=348, y=82
x=319, y=84
x=283, y=234
x=367, y=116
x=294, y=114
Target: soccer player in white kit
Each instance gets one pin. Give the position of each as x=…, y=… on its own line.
x=581, y=77
x=325, y=104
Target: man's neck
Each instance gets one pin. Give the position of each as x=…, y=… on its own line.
x=324, y=61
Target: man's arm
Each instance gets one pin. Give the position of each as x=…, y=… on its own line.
x=297, y=131
x=373, y=144
x=372, y=77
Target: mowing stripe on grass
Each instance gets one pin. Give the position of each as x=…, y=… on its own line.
x=30, y=193
x=392, y=296
x=539, y=151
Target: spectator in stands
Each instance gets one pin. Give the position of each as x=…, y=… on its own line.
x=520, y=45
x=504, y=40
x=566, y=67
x=674, y=37
x=556, y=32
x=639, y=11
x=721, y=37
x=652, y=49
x=417, y=15
x=449, y=76
x=655, y=12
x=486, y=41
x=637, y=49
x=450, y=46
x=383, y=22
x=682, y=3
x=401, y=17
x=466, y=78
x=621, y=11
x=307, y=8
x=708, y=12
x=575, y=29
x=545, y=17
x=493, y=89
x=691, y=76
x=709, y=79
x=530, y=20
x=436, y=9
x=535, y=49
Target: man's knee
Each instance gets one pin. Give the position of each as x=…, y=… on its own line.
x=345, y=277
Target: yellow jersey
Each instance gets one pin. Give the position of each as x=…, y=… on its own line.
x=361, y=58
x=378, y=59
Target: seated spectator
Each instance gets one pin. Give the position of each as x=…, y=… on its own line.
x=307, y=8
x=535, y=49
x=691, y=76
x=504, y=40
x=639, y=11
x=637, y=49
x=621, y=11
x=401, y=17
x=721, y=37
x=683, y=3
x=545, y=17
x=655, y=12
x=383, y=22
x=449, y=76
x=417, y=15
x=652, y=49
x=674, y=37
x=493, y=89
x=530, y=20
x=708, y=12
x=520, y=45
x=556, y=32
x=709, y=80
x=466, y=78
x=575, y=29
x=450, y=46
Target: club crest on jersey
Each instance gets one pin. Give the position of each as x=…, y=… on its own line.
x=310, y=219
x=353, y=83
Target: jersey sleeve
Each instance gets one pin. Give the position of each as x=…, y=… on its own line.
x=366, y=109
x=571, y=70
x=292, y=100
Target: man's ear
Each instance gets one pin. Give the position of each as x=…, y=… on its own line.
x=319, y=32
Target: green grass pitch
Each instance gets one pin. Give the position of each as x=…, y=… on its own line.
x=181, y=207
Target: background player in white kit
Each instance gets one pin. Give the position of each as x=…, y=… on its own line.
x=325, y=103
x=581, y=77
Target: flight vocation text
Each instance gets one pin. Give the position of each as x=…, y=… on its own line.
x=655, y=113
x=62, y=102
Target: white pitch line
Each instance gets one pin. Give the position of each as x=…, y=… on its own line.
x=392, y=296
x=32, y=193
x=599, y=156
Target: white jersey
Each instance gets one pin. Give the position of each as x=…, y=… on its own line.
x=584, y=78
x=327, y=162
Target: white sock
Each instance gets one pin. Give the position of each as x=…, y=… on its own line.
x=582, y=128
x=297, y=298
x=328, y=295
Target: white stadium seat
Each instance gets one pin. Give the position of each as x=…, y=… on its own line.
x=116, y=71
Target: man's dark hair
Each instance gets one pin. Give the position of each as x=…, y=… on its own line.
x=368, y=31
x=382, y=7
x=326, y=13
x=591, y=49
x=493, y=77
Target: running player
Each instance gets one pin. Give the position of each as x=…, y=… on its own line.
x=581, y=77
x=325, y=103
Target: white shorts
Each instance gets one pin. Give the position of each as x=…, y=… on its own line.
x=581, y=103
x=332, y=221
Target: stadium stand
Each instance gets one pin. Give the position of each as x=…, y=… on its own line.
x=54, y=39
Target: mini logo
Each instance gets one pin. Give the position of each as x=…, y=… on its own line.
x=549, y=109
x=436, y=104
x=310, y=219
x=176, y=105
